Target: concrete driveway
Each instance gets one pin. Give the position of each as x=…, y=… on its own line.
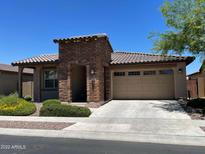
x=163, y=118
x=163, y=109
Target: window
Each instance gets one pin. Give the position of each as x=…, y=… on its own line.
x=170, y=71
x=134, y=73
x=119, y=73
x=149, y=72
x=50, y=79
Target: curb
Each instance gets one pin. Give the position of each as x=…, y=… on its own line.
x=129, y=137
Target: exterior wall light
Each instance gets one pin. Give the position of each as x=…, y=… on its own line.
x=180, y=70
x=92, y=72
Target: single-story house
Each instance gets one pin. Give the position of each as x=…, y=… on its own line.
x=196, y=82
x=9, y=80
x=86, y=69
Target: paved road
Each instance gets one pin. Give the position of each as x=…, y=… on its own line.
x=37, y=145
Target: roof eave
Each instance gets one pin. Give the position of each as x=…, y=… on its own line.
x=80, y=38
x=29, y=73
x=195, y=73
x=35, y=63
x=188, y=61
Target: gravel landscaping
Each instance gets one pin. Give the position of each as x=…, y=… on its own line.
x=35, y=125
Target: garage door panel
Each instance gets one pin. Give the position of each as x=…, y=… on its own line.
x=144, y=87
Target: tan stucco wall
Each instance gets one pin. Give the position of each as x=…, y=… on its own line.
x=179, y=77
x=180, y=80
x=9, y=82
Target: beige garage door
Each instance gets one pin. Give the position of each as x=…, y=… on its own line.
x=150, y=84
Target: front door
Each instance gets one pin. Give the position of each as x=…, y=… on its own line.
x=78, y=79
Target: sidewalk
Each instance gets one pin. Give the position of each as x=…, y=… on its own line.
x=130, y=137
x=90, y=119
x=167, y=131
x=42, y=119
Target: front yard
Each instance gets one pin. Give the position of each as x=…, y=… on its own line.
x=13, y=106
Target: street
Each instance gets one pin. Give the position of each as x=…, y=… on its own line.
x=33, y=145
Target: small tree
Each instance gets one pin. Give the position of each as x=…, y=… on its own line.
x=186, y=21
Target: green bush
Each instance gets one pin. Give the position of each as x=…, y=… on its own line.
x=197, y=103
x=61, y=110
x=28, y=98
x=1, y=96
x=13, y=106
x=10, y=100
x=51, y=101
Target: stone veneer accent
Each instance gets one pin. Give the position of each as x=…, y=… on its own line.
x=95, y=54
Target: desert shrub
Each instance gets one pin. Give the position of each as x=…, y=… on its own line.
x=51, y=101
x=13, y=106
x=61, y=110
x=197, y=103
x=1, y=96
x=28, y=98
x=10, y=100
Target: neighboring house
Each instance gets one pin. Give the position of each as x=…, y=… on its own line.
x=86, y=69
x=196, y=82
x=9, y=80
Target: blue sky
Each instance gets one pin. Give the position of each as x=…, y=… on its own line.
x=27, y=27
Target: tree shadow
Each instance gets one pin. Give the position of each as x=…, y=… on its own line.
x=171, y=106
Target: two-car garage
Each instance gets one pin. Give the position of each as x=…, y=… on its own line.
x=143, y=84
x=148, y=76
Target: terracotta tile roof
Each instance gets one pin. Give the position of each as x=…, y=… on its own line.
x=116, y=58
x=137, y=57
x=10, y=68
x=47, y=58
x=73, y=38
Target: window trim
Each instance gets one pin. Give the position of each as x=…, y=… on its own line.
x=54, y=80
x=169, y=73
x=132, y=73
x=122, y=75
x=154, y=71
